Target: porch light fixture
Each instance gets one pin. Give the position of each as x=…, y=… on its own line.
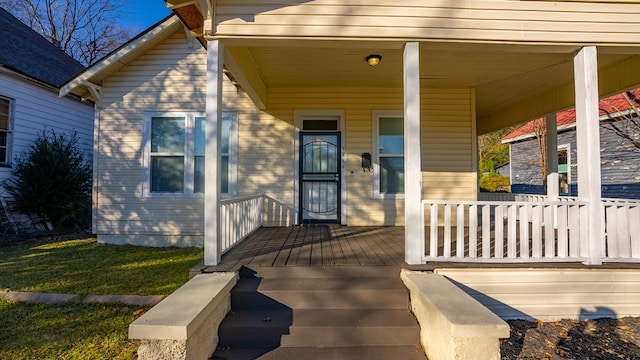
x=373, y=59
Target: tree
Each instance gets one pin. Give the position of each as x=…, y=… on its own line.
x=53, y=179
x=628, y=125
x=86, y=30
x=539, y=127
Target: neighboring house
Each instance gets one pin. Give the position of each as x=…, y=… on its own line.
x=32, y=70
x=619, y=143
x=295, y=109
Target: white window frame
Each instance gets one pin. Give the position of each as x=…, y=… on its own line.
x=567, y=148
x=9, y=146
x=189, y=153
x=376, y=115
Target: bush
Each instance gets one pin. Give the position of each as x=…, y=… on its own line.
x=493, y=182
x=54, y=180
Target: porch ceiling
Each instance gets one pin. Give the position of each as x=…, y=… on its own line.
x=502, y=74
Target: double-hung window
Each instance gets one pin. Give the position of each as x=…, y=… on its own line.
x=388, y=154
x=5, y=130
x=175, y=153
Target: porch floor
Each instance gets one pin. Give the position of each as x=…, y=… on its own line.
x=336, y=245
x=317, y=245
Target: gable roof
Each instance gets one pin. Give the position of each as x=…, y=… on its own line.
x=609, y=107
x=28, y=53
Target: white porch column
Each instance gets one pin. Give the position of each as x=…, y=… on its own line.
x=588, y=146
x=413, y=239
x=215, y=55
x=553, y=185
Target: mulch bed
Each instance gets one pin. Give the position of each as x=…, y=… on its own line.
x=601, y=339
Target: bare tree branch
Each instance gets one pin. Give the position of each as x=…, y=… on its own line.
x=86, y=30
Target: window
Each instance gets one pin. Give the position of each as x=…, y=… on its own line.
x=388, y=154
x=563, y=170
x=175, y=153
x=5, y=130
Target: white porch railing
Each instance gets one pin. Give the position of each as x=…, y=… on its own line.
x=529, y=229
x=514, y=231
x=621, y=224
x=239, y=217
x=622, y=230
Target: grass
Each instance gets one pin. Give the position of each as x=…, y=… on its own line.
x=82, y=266
x=85, y=267
x=72, y=331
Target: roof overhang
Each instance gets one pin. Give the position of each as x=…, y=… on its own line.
x=87, y=83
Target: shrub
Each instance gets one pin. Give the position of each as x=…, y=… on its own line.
x=53, y=179
x=493, y=182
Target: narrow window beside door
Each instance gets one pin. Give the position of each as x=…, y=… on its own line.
x=388, y=154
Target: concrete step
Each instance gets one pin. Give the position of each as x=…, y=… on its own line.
x=319, y=299
x=315, y=353
x=321, y=328
x=321, y=284
x=318, y=272
x=319, y=312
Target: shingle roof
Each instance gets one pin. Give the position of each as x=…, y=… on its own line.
x=607, y=106
x=25, y=51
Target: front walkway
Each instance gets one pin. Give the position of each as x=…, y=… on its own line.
x=317, y=245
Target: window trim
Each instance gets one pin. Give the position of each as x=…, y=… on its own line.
x=189, y=154
x=375, y=129
x=567, y=148
x=10, y=123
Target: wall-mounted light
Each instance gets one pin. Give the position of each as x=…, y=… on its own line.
x=373, y=59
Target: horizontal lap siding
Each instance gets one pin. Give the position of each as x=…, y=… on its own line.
x=482, y=20
x=446, y=138
x=37, y=109
x=170, y=76
x=552, y=294
x=447, y=144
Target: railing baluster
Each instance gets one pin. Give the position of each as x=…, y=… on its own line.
x=549, y=236
x=460, y=231
x=499, y=232
x=473, y=231
x=486, y=231
x=433, y=241
x=524, y=232
x=634, y=231
x=447, y=231
x=536, y=232
x=512, y=250
x=561, y=213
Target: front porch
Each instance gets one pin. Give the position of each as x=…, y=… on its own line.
x=336, y=245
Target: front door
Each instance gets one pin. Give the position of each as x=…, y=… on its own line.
x=320, y=177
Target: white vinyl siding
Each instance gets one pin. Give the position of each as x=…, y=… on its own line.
x=552, y=294
x=487, y=20
x=37, y=109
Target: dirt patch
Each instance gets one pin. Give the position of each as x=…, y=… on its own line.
x=572, y=339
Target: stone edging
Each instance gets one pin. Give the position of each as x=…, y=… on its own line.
x=47, y=298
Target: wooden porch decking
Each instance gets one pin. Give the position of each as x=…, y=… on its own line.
x=317, y=245
x=336, y=245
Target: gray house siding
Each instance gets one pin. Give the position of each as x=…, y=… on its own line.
x=619, y=162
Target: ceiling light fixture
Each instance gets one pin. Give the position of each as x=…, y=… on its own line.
x=373, y=59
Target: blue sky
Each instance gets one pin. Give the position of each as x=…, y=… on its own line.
x=140, y=14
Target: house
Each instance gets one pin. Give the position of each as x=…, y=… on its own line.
x=353, y=113
x=619, y=157
x=32, y=70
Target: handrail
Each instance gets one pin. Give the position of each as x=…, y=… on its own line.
x=239, y=217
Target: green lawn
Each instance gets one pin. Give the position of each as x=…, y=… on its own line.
x=76, y=330
x=85, y=267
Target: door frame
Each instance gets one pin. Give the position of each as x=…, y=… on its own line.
x=298, y=117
